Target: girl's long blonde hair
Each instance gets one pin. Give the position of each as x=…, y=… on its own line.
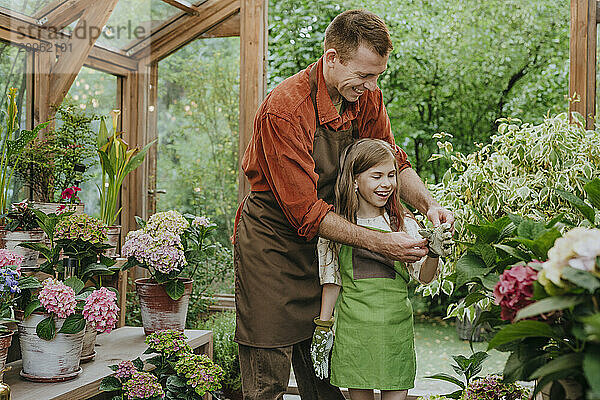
x=356, y=159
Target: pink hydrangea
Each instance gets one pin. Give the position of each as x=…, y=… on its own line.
x=101, y=310
x=125, y=369
x=57, y=298
x=514, y=289
x=9, y=257
x=143, y=385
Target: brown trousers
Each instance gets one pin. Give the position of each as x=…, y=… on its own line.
x=266, y=373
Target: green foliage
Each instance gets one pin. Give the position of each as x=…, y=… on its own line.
x=48, y=163
x=453, y=68
x=198, y=132
x=465, y=367
x=225, y=350
x=117, y=161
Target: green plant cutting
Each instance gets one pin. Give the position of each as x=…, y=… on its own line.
x=117, y=161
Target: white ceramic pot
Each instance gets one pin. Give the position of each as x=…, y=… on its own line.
x=53, y=360
x=11, y=240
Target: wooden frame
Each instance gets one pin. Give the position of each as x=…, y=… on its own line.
x=582, y=77
x=50, y=73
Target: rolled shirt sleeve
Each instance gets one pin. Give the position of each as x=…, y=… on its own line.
x=329, y=266
x=290, y=172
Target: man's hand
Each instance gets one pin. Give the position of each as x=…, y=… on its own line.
x=321, y=345
x=400, y=246
x=440, y=240
x=439, y=215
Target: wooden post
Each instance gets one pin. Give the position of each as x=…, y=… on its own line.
x=253, y=83
x=152, y=134
x=582, y=77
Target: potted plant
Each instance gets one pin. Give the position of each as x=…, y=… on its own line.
x=51, y=326
x=21, y=227
x=9, y=282
x=167, y=245
x=177, y=372
x=117, y=161
x=12, y=145
x=58, y=161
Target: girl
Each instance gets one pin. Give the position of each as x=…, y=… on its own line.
x=374, y=339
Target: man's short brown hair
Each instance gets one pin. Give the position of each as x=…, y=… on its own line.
x=352, y=28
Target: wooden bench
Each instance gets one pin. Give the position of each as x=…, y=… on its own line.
x=126, y=343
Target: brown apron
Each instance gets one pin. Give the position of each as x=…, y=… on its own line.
x=277, y=290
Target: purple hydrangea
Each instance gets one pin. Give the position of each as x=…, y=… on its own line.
x=143, y=385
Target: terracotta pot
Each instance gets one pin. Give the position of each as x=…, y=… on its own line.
x=5, y=340
x=158, y=310
x=88, y=351
x=114, y=234
x=48, y=208
x=55, y=360
x=11, y=240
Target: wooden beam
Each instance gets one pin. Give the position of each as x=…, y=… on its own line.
x=253, y=55
x=582, y=77
x=65, y=13
x=182, y=5
x=228, y=28
x=150, y=196
x=598, y=12
x=69, y=64
x=185, y=29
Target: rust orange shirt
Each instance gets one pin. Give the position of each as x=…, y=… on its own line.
x=278, y=157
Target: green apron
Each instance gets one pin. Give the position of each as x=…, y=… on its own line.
x=374, y=337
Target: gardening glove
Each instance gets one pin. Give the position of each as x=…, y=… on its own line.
x=321, y=345
x=440, y=240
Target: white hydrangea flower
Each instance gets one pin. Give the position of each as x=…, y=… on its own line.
x=578, y=248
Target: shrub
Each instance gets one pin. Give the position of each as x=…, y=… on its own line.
x=515, y=173
x=225, y=350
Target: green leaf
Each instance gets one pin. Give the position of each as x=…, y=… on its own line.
x=175, y=289
x=484, y=233
x=581, y=278
x=140, y=221
x=563, y=363
x=46, y=328
x=592, y=189
x=548, y=304
x=74, y=323
x=555, y=220
x=30, y=308
x=110, y=384
x=521, y=363
x=174, y=382
x=545, y=241
x=485, y=251
x=514, y=252
x=138, y=364
x=468, y=268
x=520, y=330
x=490, y=280
x=529, y=229
x=473, y=298
x=29, y=282
x=137, y=160
x=591, y=367
x=75, y=283
x=447, y=378
x=103, y=136
x=586, y=210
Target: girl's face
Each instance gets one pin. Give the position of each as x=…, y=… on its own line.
x=375, y=186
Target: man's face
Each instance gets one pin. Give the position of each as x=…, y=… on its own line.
x=356, y=75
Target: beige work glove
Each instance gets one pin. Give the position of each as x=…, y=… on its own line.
x=440, y=240
x=321, y=345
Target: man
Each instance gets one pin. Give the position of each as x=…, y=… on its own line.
x=291, y=163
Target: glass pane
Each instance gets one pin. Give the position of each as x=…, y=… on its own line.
x=198, y=131
x=133, y=20
x=93, y=94
x=13, y=75
x=27, y=7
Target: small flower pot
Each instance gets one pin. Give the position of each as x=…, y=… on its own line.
x=113, y=236
x=55, y=360
x=88, y=351
x=11, y=240
x=158, y=310
x=5, y=340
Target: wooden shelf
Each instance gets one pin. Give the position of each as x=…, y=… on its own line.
x=126, y=343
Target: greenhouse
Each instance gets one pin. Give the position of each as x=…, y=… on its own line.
x=286, y=199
